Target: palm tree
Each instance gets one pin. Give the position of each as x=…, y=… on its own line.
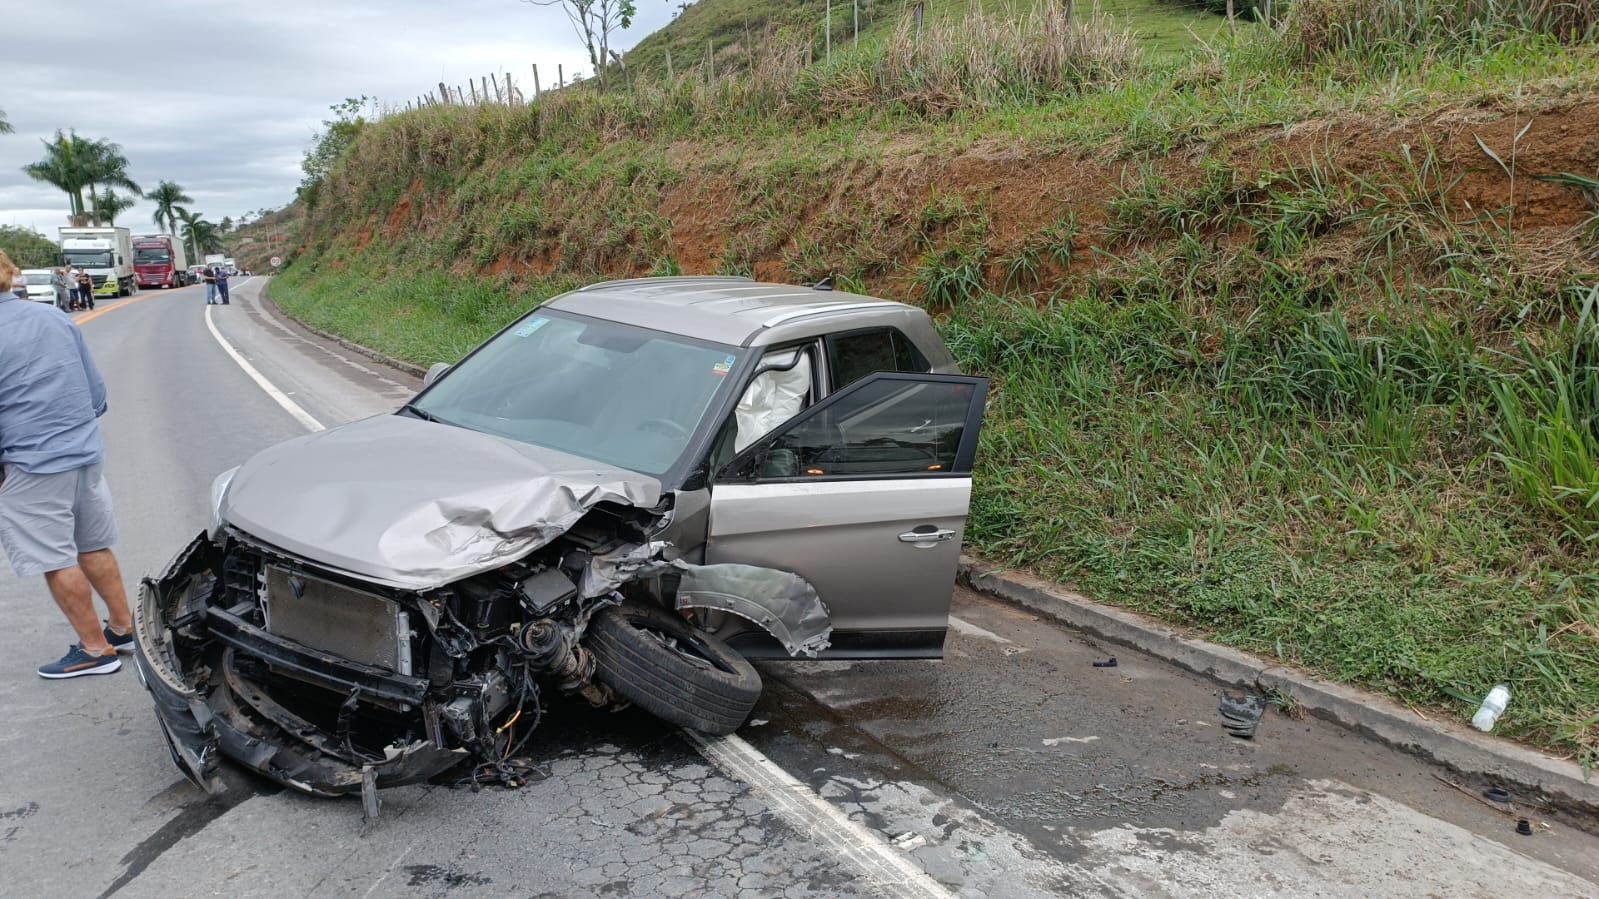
x=189, y=220
x=166, y=197
x=62, y=167
x=112, y=205
x=103, y=163
x=203, y=235
x=5, y=124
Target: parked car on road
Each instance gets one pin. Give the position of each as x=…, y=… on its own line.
x=45, y=287
x=624, y=495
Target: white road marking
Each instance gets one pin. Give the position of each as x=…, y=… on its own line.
x=282, y=399
x=889, y=872
x=1056, y=741
x=971, y=630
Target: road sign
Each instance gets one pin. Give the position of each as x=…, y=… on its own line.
x=276, y=261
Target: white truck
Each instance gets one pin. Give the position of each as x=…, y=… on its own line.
x=107, y=253
x=215, y=259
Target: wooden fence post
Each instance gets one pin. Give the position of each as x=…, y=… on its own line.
x=916, y=13
x=560, y=75
x=444, y=92
x=827, y=29
x=497, y=97
x=669, y=75
x=535, y=81
x=1068, y=4
x=710, y=62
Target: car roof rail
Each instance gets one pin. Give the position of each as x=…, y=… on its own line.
x=676, y=279
x=807, y=311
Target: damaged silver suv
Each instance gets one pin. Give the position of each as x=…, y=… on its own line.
x=625, y=495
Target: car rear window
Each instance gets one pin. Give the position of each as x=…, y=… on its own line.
x=858, y=354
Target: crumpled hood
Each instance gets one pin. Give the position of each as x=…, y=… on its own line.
x=417, y=504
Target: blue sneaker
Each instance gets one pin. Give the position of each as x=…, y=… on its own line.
x=77, y=663
x=122, y=643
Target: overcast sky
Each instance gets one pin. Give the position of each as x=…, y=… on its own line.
x=223, y=97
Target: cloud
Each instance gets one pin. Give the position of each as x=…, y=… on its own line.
x=224, y=97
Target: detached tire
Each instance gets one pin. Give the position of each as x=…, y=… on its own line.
x=668, y=668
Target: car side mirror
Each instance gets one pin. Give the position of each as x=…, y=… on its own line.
x=433, y=374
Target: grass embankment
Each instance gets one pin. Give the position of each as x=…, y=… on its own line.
x=1296, y=355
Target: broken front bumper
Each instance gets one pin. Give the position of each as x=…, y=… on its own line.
x=207, y=710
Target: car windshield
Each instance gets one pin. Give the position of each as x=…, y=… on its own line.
x=88, y=258
x=151, y=255
x=618, y=394
x=37, y=277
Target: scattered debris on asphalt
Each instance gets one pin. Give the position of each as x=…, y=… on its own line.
x=1504, y=806
x=1108, y=663
x=1241, y=715
x=910, y=840
x=1524, y=827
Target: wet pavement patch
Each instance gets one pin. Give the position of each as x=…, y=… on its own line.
x=190, y=820
x=449, y=878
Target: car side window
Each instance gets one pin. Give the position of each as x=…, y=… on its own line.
x=857, y=354
x=883, y=428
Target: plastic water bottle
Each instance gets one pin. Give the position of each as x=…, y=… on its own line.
x=1492, y=708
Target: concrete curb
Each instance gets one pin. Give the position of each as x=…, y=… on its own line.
x=352, y=346
x=1476, y=756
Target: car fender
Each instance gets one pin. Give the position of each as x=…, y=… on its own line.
x=781, y=603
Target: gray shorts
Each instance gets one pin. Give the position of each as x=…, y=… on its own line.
x=46, y=520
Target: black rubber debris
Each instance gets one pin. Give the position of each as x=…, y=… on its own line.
x=1108, y=663
x=1241, y=715
x=1524, y=827
x=1496, y=794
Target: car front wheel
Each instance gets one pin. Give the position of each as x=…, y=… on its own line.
x=672, y=670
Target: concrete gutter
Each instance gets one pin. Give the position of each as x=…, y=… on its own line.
x=1480, y=759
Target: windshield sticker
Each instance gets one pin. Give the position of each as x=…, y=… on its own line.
x=527, y=328
x=725, y=366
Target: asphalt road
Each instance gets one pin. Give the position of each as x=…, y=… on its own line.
x=1012, y=768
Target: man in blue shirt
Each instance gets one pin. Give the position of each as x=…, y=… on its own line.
x=55, y=508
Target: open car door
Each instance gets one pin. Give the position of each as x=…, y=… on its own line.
x=864, y=495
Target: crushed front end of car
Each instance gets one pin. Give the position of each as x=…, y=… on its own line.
x=333, y=685
x=417, y=624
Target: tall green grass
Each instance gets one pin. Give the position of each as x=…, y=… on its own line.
x=1380, y=30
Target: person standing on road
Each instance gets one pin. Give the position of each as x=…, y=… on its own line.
x=85, y=289
x=222, y=283
x=55, y=508
x=61, y=280
x=209, y=275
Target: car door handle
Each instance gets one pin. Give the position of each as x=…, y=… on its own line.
x=939, y=536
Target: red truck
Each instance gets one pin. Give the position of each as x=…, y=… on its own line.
x=159, y=261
